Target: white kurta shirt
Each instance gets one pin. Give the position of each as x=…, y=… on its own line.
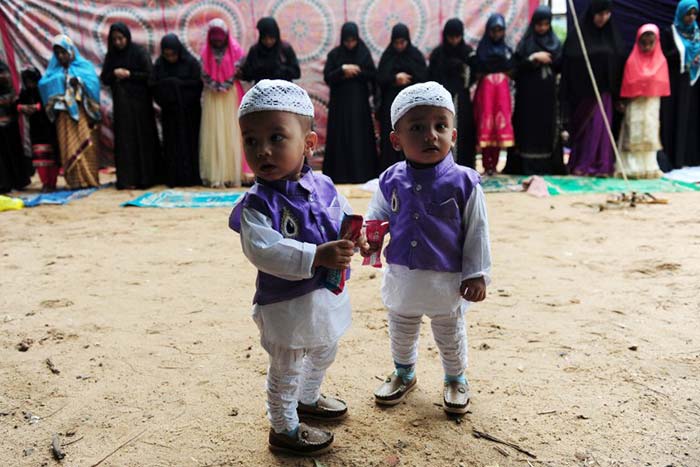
x=316, y=319
x=419, y=291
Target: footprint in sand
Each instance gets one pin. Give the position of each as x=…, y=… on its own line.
x=56, y=303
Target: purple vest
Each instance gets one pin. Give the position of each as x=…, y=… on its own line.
x=307, y=211
x=426, y=214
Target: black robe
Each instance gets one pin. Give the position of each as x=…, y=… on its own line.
x=450, y=66
x=41, y=130
x=137, y=153
x=351, y=148
x=177, y=89
x=276, y=62
x=410, y=61
x=14, y=166
x=680, y=124
x=535, y=118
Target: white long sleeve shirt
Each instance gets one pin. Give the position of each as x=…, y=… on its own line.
x=316, y=319
x=417, y=291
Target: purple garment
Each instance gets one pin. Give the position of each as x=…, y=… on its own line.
x=426, y=220
x=591, y=151
x=306, y=211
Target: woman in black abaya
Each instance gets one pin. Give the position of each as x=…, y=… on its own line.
x=351, y=151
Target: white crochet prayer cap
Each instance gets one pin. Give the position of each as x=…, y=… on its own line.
x=276, y=94
x=431, y=93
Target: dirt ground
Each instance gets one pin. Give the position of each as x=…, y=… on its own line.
x=586, y=352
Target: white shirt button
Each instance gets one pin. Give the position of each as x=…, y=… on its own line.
x=414, y=243
x=419, y=187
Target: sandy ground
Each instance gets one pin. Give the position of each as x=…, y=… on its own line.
x=586, y=353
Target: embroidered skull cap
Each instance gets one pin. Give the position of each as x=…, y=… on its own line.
x=276, y=95
x=431, y=93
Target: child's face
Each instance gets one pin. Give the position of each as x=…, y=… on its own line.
x=425, y=134
x=454, y=41
x=170, y=55
x=647, y=42
x=497, y=33
x=602, y=18
x=119, y=40
x=542, y=27
x=275, y=143
x=62, y=56
x=690, y=17
x=269, y=41
x=399, y=44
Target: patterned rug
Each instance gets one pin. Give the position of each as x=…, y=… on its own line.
x=185, y=199
x=566, y=185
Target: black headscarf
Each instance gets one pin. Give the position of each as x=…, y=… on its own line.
x=186, y=66
x=606, y=52
x=118, y=58
x=533, y=42
x=6, y=86
x=268, y=27
x=454, y=27
x=359, y=55
x=26, y=95
x=396, y=61
x=493, y=56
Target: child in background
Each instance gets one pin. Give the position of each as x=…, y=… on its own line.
x=439, y=254
x=492, y=102
x=289, y=223
x=42, y=133
x=645, y=81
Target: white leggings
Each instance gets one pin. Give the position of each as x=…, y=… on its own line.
x=448, y=330
x=294, y=375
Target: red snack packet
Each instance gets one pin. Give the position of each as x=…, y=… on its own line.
x=350, y=229
x=375, y=232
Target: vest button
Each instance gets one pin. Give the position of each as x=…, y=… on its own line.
x=414, y=243
x=419, y=187
x=416, y=216
x=311, y=198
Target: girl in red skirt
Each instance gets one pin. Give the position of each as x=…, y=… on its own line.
x=492, y=103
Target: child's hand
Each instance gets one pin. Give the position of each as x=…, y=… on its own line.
x=473, y=290
x=334, y=255
x=363, y=245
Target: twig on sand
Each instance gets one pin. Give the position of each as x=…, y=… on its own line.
x=529, y=464
x=488, y=437
x=501, y=451
x=58, y=453
x=73, y=442
x=630, y=380
x=55, y=412
x=118, y=448
x=548, y=412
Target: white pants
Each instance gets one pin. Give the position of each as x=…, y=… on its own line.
x=449, y=332
x=294, y=375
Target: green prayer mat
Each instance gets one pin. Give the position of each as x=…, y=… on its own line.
x=569, y=185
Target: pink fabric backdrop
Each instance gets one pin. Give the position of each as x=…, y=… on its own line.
x=311, y=26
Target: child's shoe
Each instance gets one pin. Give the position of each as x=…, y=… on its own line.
x=308, y=441
x=394, y=389
x=456, y=397
x=326, y=408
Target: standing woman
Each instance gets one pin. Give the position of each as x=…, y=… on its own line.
x=680, y=123
x=271, y=57
x=538, y=58
x=492, y=102
x=351, y=151
x=126, y=71
x=14, y=170
x=450, y=66
x=591, y=149
x=401, y=65
x=220, y=146
x=42, y=133
x=70, y=93
x=645, y=80
x=177, y=89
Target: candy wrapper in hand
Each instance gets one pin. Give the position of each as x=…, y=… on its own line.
x=375, y=232
x=350, y=229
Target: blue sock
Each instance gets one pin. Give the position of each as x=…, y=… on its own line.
x=406, y=372
x=292, y=433
x=460, y=378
